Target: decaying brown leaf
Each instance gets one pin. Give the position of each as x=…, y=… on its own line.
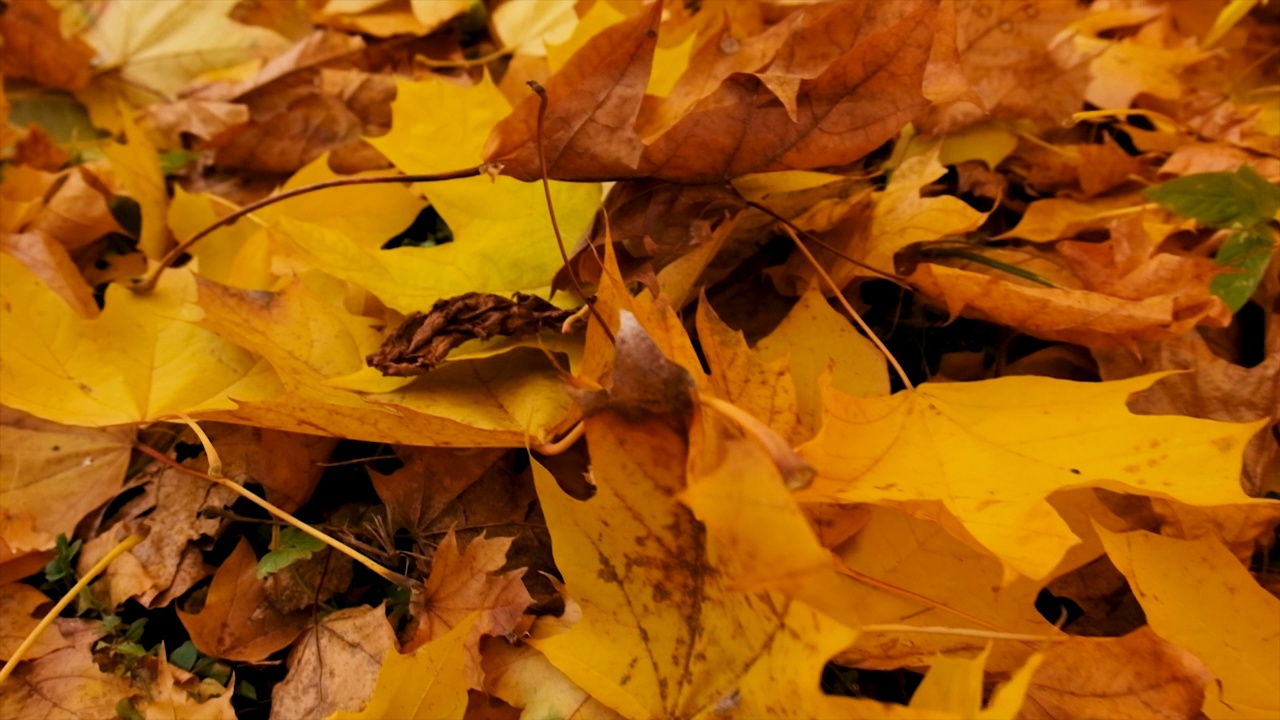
x=424, y=340
x=334, y=665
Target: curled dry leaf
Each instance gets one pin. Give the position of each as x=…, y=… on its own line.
x=424, y=340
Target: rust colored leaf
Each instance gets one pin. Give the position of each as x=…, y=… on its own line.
x=236, y=623
x=861, y=99
x=34, y=47
x=424, y=340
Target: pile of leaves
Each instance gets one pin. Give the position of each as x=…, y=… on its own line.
x=725, y=358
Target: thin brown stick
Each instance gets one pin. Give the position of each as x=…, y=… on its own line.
x=551, y=210
x=819, y=242
x=147, y=283
x=866, y=329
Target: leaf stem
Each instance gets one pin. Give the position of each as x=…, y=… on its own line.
x=115, y=552
x=147, y=283
x=967, y=632
x=551, y=210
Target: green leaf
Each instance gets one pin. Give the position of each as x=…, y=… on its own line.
x=1246, y=253
x=295, y=545
x=185, y=656
x=1220, y=199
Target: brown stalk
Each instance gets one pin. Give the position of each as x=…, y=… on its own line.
x=551, y=210
x=147, y=283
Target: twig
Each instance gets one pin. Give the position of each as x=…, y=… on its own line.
x=115, y=552
x=147, y=283
x=551, y=210
x=936, y=630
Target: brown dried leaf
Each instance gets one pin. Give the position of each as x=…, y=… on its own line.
x=334, y=665
x=288, y=465
x=236, y=623
x=424, y=340
x=34, y=47
x=431, y=479
x=467, y=582
x=19, y=614
x=63, y=684
x=861, y=99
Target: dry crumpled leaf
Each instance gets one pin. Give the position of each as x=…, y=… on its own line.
x=426, y=684
x=1199, y=597
x=236, y=623
x=65, y=683
x=959, y=442
x=862, y=98
x=176, y=694
x=424, y=340
x=34, y=47
x=465, y=583
x=429, y=481
x=52, y=476
x=152, y=570
x=334, y=665
x=1138, y=676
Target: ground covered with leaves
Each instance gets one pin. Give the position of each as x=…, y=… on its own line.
x=879, y=359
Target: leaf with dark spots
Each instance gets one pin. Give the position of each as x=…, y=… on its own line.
x=424, y=340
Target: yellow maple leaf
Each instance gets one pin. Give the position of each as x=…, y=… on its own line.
x=142, y=359
x=137, y=165
x=429, y=684
x=989, y=453
x=1196, y=594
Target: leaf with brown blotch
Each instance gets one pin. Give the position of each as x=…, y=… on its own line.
x=424, y=340
x=861, y=99
x=334, y=665
x=467, y=582
x=236, y=623
x=1137, y=677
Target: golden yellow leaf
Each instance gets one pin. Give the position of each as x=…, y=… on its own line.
x=503, y=241
x=600, y=16
x=524, y=678
x=239, y=255
x=1147, y=62
x=143, y=358
x=822, y=346
x=1198, y=596
x=137, y=166
x=954, y=685
x=428, y=684
x=901, y=217
x=316, y=347
x=664, y=631
x=530, y=26
x=956, y=447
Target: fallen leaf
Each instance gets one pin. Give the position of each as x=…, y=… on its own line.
x=287, y=465
x=334, y=665
x=955, y=685
x=54, y=475
x=49, y=261
x=19, y=606
x=63, y=683
x=1137, y=676
x=424, y=340
x=157, y=47
x=524, y=678
x=137, y=167
x=1092, y=319
x=957, y=440
x=175, y=694
x=72, y=369
x=428, y=684
x=1146, y=63
x=861, y=99
x=35, y=48
x=468, y=583
x=1198, y=596
x=76, y=214
x=235, y=623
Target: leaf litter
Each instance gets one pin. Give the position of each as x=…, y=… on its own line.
x=423, y=450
